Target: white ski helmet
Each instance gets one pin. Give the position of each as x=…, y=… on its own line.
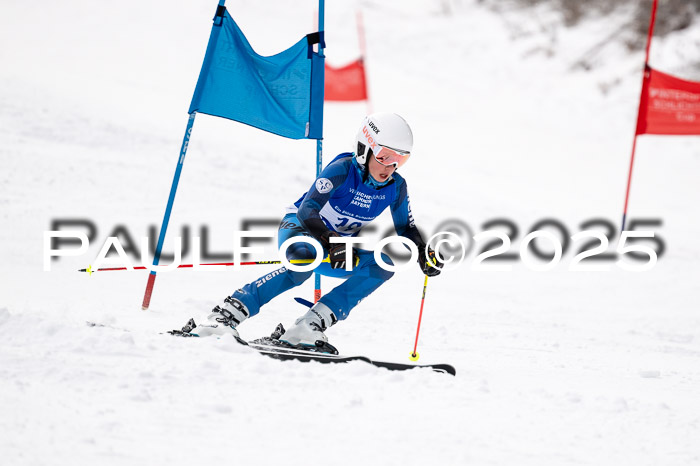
x=387, y=136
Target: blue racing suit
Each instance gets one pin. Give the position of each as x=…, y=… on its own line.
x=342, y=200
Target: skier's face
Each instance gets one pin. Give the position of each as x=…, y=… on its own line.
x=378, y=171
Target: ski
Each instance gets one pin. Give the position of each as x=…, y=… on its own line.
x=307, y=356
x=325, y=353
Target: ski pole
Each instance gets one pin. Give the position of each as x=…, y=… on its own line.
x=414, y=355
x=185, y=266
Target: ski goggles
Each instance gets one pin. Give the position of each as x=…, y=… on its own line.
x=388, y=156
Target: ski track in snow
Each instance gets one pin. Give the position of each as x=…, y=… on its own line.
x=558, y=367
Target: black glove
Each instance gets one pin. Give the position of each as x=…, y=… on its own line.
x=429, y=264
x=336, y=255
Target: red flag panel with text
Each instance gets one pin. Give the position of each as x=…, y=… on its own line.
x=669, y=105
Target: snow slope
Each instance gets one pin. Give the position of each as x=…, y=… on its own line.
x=557, y=367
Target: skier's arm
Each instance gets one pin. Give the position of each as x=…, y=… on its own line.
x=406, y=227
x=332, y=177
x=403, y=220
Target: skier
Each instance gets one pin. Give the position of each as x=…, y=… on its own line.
x=350, y=192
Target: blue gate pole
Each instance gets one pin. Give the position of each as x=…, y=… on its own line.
x=218, y=20
x=319, y=142
x=168, y=210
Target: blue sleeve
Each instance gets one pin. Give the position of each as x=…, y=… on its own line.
x=401, y=214
x=330, y=179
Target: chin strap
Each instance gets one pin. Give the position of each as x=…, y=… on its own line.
x=365, y=167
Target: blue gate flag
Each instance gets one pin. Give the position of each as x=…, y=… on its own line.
x=282, y=94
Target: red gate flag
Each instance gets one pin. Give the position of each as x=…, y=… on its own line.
x=347, y=83
x=668, y=105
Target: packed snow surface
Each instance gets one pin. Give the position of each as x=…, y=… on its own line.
x=555, y=367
